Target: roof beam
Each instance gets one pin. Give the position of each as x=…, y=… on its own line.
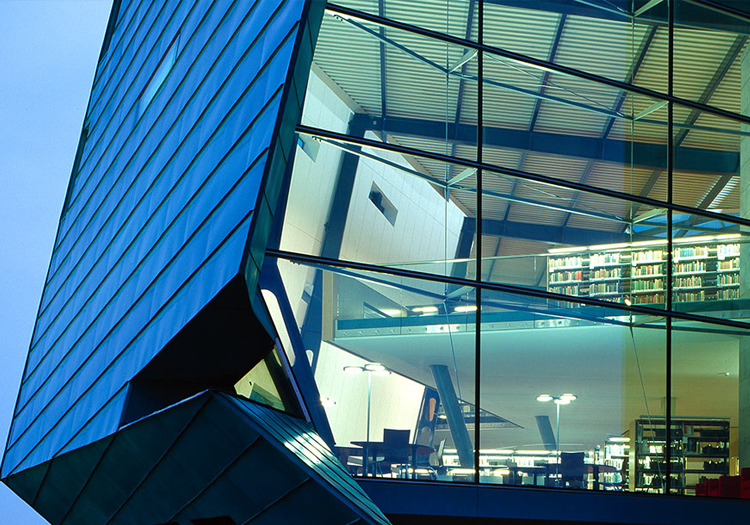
x=551, y=234
x=462, y=82
x=383, y=103
x=706, y=202
x=551, y=58
x=643, y=48
x=708, y=92
x=643, y=154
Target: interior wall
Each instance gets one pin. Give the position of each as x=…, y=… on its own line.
x=395, y=400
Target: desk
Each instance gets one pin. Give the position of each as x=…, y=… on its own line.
x=596, y=469
x=546, y=470
x=377, y=449
x=345, y=454
x=535, y=471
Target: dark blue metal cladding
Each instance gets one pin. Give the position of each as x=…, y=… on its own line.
x=159, y=207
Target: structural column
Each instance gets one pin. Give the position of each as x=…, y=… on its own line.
x=744, y=357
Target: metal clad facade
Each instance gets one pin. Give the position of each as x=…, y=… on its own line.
x=176, y=141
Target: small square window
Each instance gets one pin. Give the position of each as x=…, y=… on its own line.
x=381, y=202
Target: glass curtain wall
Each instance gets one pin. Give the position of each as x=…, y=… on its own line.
x=514, y=248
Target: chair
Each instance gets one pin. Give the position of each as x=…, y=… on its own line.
x=350, y=457
x=729, y=486
x=438, y=464
x=712, y=488
x=395, y=449
x=700, y=488
x=745, y=483
x=572, y=469
x=430, y=466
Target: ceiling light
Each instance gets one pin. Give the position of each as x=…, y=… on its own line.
x=569, y=397
x=425, y=309
x=544, y=398
x=465, y=308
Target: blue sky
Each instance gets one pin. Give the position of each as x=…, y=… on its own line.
x=48, y=54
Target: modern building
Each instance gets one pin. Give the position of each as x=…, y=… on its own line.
x=447, y=261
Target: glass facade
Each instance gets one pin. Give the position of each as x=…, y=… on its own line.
x=513, y=244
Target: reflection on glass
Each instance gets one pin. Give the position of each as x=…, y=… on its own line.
x=610, y=39
x=709, y=46
x=266, y=383
x=457, y=18
x=573, y=129
x=393, y=360
x=708, y=406
x=574, y=243
x=709, y=163
x=707, y=266
x=573, y=379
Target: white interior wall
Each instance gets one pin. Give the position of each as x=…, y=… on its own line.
x=426, y=227
x=312, y=188
x=395, y=399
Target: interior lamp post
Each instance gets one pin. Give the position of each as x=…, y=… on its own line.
x=564, y=399
x=369, y=369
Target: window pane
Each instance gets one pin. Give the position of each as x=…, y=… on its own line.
x=709, y=55
x=572, y=380
x=708, y=404
x=393, y=359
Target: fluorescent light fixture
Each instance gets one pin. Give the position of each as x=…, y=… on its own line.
x=569, y=249
x=702, y=238
x=602, y=247
x=728, y=236
x=465, y=308
x=658, y=242
x=618, y=439
x=425, y=309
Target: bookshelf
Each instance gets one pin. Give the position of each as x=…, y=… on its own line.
x=699, y=448
x=702, y=270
